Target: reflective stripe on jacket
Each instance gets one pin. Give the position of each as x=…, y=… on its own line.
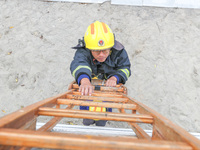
x=97, y=109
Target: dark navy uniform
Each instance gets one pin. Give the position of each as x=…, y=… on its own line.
x=117, y=63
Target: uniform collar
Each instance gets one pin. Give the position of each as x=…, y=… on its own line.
x=118, y=46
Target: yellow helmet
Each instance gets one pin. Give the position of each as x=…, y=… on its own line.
x=98, y=36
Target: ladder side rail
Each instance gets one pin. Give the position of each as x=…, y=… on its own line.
x=164, y=128
x=30, y=125
x=140, y=133
x=70, y=86
x=24, y=115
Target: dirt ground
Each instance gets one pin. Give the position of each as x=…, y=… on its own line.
x=162, y=43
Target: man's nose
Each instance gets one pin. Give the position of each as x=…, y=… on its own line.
x=101, y=53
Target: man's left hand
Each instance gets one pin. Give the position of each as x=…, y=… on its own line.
x=112, y=81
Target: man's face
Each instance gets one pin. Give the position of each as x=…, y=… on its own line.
x=100, y=55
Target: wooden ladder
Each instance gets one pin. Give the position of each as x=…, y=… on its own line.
x=18, y=130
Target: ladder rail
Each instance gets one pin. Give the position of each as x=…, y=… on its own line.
x=18, y=130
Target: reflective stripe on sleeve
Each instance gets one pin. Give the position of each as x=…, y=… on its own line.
x=80, y=67
x=97, y=109
x=126, y=71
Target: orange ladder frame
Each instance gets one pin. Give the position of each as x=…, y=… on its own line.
x=18, y=129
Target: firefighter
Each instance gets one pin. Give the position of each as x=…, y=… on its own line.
x=99, y=55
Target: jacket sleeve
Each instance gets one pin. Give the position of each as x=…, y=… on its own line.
x=122, y=66
x=81, y=64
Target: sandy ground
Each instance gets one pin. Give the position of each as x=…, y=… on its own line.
x=163, y=45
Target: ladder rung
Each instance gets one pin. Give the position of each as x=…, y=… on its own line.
x=107, y=92
x=29, y=138
x=95, y=104
x=103, y=88
x=101, y=94
x=83, y=97
x=138, y=118
x=76, y=86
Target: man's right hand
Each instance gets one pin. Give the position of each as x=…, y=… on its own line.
x=86, y=87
